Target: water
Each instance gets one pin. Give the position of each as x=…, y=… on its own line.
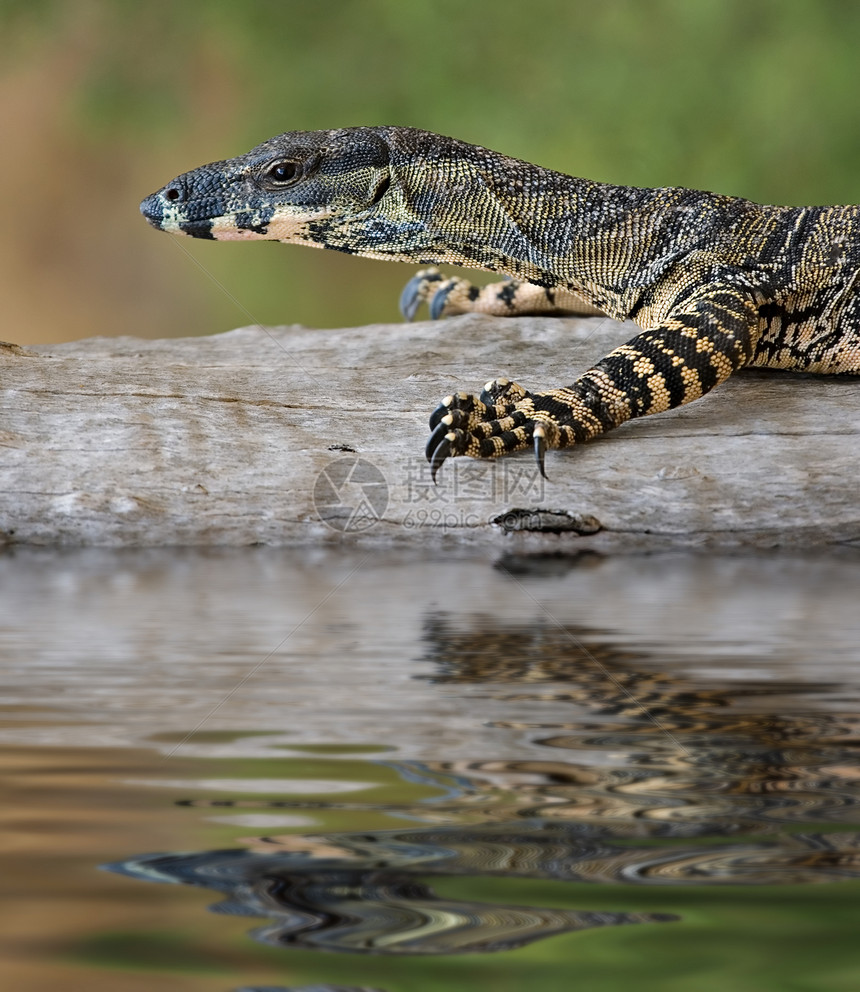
x=382, y=771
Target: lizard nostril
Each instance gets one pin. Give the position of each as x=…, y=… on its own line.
x=172, y=194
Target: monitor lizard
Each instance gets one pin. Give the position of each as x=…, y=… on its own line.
x=716, y=282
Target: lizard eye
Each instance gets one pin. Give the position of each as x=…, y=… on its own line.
x=282, y=172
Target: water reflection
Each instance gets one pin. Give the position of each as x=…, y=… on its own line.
x=650, y=752
x=649, y=778
x=361, y=902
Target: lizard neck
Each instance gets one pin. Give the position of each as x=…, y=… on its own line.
x=473, y=207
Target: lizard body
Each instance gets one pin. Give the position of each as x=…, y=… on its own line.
x=716, y=282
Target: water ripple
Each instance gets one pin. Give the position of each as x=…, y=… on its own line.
x=368, y=910
x=652, y=780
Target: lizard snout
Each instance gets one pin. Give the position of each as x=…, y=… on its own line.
x=152, y=209
x=156, y=206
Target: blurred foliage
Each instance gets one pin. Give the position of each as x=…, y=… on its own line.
x=751, y=97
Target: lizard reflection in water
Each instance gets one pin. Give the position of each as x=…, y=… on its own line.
x=650, y=780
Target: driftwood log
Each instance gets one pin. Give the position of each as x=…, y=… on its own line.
x=293, y=436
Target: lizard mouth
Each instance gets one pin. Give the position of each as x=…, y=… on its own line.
x=207, y=218
x=168, y=212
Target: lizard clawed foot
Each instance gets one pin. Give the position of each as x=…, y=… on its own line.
x=443, y=296
x=503, y=419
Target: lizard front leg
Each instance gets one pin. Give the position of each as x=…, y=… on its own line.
x=446, y=297
x=700, y=344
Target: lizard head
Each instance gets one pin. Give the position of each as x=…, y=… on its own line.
x=331, y=189
x=393, y=193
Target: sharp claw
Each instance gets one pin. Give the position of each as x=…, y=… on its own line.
x=410, y=298
x=440, y=411
x=439, y=432
x=439, y=455
x=437, y=304
x=540, y=448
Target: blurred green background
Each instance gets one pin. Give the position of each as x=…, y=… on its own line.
x=103, y=101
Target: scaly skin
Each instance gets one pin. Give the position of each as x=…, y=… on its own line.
x=716, y=282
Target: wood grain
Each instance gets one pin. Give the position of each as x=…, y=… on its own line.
x=287, y=435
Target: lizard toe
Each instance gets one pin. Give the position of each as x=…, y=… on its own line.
x=441, y=411
x=503, y=391
x=417, y=291
x=440, y=431
x=462, y=403
x=539, y=440
x=440, y=453
x=440, y=299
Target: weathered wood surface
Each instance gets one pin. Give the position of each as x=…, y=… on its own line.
x=234, y=439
